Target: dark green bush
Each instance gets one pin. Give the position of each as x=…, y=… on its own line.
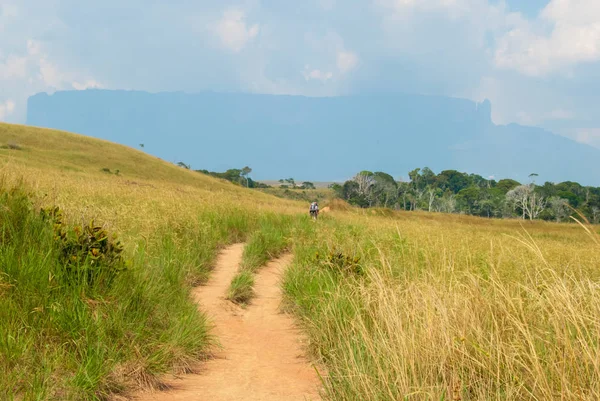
x=87, y=253
x=340, y=262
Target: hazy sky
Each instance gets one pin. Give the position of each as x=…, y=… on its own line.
x=538, y=61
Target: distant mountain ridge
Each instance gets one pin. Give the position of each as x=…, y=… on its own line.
x=320, y=139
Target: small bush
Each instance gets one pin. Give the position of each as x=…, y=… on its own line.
x=12, y=146
x=340, y=262
x=106, y=170
x=86, y=252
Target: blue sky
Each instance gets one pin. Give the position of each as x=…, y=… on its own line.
x=536, y=60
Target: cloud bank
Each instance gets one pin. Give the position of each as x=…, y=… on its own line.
x=538, y=64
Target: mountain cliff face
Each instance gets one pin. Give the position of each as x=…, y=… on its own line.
x=317, y=138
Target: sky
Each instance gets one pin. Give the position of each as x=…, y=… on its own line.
x=537, y=61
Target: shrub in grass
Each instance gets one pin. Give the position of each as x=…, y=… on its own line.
x=69, y=332
x=89, y=253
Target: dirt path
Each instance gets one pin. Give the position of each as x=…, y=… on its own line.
x=262, y=358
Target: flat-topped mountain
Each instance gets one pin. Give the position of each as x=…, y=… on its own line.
x=322, y=139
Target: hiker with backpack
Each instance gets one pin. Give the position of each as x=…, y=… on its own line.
x=314, y=210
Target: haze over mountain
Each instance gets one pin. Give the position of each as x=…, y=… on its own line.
x=318, y=138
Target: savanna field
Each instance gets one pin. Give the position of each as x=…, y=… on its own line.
x=397, y=305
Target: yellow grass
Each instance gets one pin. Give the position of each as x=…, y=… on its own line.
x=449, y=308
x=453, y=307
x=148, y=193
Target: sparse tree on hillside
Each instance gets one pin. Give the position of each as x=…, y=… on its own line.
x=308, y=185
x=142, y=145
x=532, y=177
x=245, y=171
x=185, y=166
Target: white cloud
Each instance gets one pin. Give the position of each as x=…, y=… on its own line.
x=13, y=67
x=589, y=136
x=8, y=10
x=315, y=74
x=451, y=8
x=327, y=5
x=7, y=108
x=30, y=68
x=538, y=118
x=346, y=61
x=89, y=84
x=330, y=50
x=567, y=33
x=559, y=114
x=524, y=118
x=33, y=47
x=50, y=75
x=233, y=31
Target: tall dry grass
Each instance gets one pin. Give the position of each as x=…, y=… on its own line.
x=460, y=310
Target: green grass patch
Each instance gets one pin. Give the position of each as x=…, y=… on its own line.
x=75, y=327
x=268, y=242
x=241, y=290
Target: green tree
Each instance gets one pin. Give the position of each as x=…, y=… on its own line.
x=384, y=189
x=469, y=197
x=453, y=180
x=415, y=177
x=507, y=184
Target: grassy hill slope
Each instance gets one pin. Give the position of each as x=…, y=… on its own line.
x=67, y=168
x=48, y=149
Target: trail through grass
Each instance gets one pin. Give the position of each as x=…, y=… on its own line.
x=273, y=237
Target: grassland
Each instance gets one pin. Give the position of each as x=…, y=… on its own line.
x=448, y=307
x=415, y=306
x=64, y=341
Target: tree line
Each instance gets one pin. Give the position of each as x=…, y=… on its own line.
x=240, y=176
x=452, y=191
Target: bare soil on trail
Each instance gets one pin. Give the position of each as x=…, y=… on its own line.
x=261, y=356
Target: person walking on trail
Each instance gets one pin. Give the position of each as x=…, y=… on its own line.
x=314, y=210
